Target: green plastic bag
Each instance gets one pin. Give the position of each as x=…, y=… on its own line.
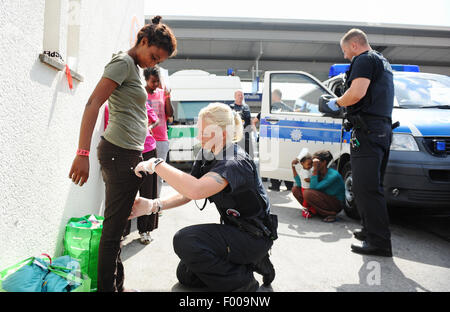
x=80, y=279
x=81, y=241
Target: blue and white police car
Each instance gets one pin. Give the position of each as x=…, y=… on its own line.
x=418, y=171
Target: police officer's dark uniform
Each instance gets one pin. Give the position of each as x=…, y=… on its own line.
x=244, y=111
x=370, y=144
x=224, y=256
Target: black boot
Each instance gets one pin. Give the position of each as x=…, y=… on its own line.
x=360, y=235
x=266, y=269
x=252, y=286
x=187, y=278
x=368, y=249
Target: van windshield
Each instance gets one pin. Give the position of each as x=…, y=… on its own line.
x=421, y=91
x=188, y=110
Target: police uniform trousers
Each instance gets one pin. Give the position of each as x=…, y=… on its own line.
x=368, y=162
x=217, y=256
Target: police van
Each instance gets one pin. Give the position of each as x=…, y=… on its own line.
x=418, y=171
x=191, y=90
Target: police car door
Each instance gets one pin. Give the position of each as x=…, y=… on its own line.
x=290, y=121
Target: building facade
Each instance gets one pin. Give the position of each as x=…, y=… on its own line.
x=41, y=114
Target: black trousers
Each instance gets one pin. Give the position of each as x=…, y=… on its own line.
x=217, y=256
x=121, y=187
x=148, y=190
x=368, y=163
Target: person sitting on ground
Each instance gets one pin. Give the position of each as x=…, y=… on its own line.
x=302, y=181
x=327, y=190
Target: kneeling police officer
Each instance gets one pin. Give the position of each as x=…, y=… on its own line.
x=221, y=257
x=369, y=99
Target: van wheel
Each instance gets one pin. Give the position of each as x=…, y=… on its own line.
x=350, y=204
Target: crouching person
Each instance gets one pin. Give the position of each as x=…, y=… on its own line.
x=221, y=257
x=326, y=194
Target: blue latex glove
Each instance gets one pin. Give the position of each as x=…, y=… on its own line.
x=333, y=105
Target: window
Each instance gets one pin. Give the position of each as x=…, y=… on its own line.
x=294, y=93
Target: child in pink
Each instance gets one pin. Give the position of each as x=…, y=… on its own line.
x=159, y=100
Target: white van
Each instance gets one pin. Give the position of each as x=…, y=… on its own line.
x=418, y=171
x=191, y=90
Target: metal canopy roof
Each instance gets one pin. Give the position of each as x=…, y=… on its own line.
x=214, y=44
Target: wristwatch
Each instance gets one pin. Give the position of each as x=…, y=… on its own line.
x=159, y=203
x=156, y=162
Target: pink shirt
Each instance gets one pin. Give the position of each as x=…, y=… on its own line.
x=150, y=142
x=157, y=102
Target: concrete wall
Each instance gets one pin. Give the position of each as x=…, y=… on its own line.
x=40, y=120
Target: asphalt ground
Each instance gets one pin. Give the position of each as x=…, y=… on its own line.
x=309, y=255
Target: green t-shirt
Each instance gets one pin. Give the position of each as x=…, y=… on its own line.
x=127, y=124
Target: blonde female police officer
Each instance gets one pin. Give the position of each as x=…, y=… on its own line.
x=221, y=257
x=369, y=101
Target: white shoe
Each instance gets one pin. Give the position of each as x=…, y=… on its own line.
x=145, y=238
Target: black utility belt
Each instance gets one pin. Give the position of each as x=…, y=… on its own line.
x=368, y=117
x=375, y=117
x=359, y=121
x=258, y=230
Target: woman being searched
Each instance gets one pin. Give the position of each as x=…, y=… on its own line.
x=221, y=257
x=121, y=146
x=326, y=192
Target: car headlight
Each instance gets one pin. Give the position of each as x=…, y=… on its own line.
x=404, y=142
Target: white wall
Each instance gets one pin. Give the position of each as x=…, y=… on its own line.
x=40, y=120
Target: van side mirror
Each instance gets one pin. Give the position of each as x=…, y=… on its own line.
x=323, y=107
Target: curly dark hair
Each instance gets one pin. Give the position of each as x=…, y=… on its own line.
x=158, y=34
x=151, y=71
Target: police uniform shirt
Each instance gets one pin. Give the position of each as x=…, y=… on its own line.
x=244, y=192
x=244, y=111
x=379, y=99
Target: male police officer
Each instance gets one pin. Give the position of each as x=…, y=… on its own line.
x=369, y=100
x=244, y=111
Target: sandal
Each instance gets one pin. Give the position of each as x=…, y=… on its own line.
x=330, y=219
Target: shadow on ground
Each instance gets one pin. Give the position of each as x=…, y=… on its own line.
x=380, y=276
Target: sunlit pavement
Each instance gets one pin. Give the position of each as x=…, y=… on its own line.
x=309, y=255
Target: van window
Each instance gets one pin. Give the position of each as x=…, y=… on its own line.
x=294, y=93
x=187, y=110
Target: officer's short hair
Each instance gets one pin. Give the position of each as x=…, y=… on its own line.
x=355, y=34
x=278, y=93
